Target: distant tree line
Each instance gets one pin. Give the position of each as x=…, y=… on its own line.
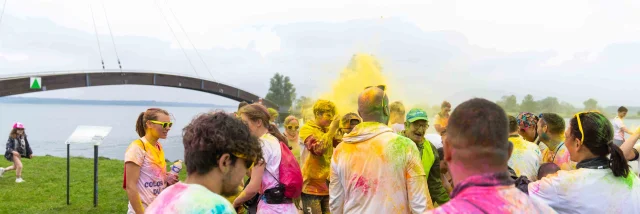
x=549, y=104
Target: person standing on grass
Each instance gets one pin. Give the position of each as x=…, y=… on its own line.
x=17, y=147
x=218, y=150
x=619, y=129
x=145, y=168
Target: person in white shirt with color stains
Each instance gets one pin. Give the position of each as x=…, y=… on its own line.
x=602, y=182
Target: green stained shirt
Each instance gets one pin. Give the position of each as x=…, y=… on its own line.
x=431, y=165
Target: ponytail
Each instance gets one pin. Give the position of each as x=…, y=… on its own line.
x=149, y=114
x=619, y=164
x=273, y=130
x=141, y=125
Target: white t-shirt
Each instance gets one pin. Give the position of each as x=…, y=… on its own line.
x=618, y=134
x=588, y=191
x=272, y=154
x=525, y=158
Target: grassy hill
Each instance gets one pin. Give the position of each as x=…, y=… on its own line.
x=45, y=188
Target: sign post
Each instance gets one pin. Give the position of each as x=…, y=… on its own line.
x=87, y=134
x=35, y=83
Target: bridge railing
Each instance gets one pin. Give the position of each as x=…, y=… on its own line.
x=53, y=73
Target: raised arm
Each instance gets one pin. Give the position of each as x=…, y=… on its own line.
x=627, y=147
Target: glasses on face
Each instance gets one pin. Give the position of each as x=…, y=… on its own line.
x=247, y=162
x=424, y=126
x=293, y=127
x=164, y=124
x=328, y=115
x=580, y=123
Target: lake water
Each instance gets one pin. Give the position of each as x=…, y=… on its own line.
x=49, y=126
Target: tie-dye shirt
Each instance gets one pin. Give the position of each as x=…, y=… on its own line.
x=588, y=190
x=375, y=170
x=189, y=198
x=559, y=156
x=153, y=169
x=490, y=193
x=525, y=158
x=316, y=159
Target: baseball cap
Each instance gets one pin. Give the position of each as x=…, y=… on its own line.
x=346, y=119
x=416, y=114
x=18, y=125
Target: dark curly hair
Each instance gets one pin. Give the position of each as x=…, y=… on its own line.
x=211, y=135
x=598, y=138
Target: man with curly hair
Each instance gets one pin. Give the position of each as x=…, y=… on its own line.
x=218, y=150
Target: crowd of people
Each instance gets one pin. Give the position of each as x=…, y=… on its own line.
x=378, y=160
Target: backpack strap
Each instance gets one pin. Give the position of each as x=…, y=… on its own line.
x=124, y=179
x=274, y=177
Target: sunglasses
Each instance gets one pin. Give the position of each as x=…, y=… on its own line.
x=383, y=88
x=580, y=122
x=164, y=124
x=293, y=127
x=248, y=162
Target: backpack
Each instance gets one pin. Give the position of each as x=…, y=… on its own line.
x=290, y=174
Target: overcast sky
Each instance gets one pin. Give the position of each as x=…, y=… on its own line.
x=440, y=49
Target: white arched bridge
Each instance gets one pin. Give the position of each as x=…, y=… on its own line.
x=47, y=81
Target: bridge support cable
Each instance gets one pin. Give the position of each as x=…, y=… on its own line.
x=112, y=38
x=4, y=5
x=95, y=28
x=176, y=37
x=189, y=39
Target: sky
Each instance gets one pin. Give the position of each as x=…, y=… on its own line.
x=434, y=50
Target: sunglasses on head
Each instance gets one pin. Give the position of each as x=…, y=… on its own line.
x=164, y=124
x=293, y=127
x=381, y=87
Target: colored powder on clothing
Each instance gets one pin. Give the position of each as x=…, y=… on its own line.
x=629, y=179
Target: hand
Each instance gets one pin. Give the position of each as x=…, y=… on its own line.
x=172, y=179
x=15, y=153
x=335, y=124
x=236, y=204
x=30, y=156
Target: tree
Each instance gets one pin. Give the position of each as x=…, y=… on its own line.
x=281, y=92
x=301, y=104
x=590, y=104
x=509, y=103
x=567, y=109
x=529, y=104
x=549, y=105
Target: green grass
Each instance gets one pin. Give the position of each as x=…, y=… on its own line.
x=45, y=188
